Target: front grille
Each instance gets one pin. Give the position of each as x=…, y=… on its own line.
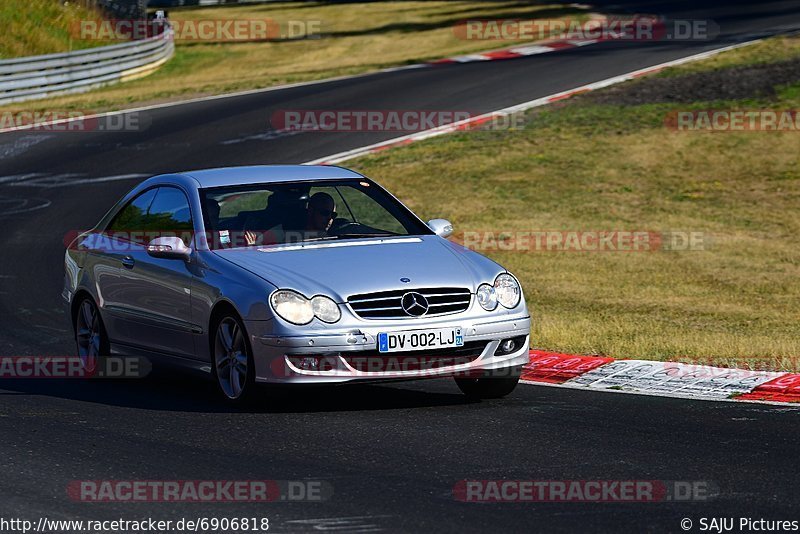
x=373, y=361
x=387, y=304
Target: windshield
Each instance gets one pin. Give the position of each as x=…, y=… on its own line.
x=296, y=212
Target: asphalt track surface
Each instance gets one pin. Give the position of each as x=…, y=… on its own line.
x=392, y=453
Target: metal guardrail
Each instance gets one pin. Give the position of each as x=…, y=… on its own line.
x=33, y=77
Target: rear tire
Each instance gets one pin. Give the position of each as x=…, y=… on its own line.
x=90, y=336
x=489, y=386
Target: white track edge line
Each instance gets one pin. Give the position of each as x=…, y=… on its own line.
x=538, y=102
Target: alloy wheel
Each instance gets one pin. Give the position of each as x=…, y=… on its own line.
x=230, y=358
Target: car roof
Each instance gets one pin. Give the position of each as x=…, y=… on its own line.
x=257, y=174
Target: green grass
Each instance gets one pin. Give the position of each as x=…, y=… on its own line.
x=584, y=166
x=355, y=38
x=33, y=27
x=767, y=51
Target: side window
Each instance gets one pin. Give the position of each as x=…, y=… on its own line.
x=170, y=214
x=131, y=220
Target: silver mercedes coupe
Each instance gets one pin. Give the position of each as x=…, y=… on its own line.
x=291, y=274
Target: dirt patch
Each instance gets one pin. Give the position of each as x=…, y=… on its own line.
x=734, y=83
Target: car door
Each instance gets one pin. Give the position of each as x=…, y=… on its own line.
x=105, y=250
x=153, y=296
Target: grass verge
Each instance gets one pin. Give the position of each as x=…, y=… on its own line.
x=583, y=166
x=33, y=27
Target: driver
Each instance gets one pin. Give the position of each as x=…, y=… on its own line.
x=321, y=213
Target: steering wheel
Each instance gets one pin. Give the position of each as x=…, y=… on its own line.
x=341, y=223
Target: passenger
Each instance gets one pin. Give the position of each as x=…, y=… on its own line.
x=213, y=208
x=320, y=213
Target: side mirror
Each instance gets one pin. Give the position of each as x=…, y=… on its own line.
x=441, y=227
x=170, y=248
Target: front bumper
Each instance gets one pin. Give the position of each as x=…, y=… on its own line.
x=351, y=354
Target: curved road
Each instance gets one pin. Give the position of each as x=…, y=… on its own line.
x=392, y=454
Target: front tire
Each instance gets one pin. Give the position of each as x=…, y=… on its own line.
x=234, y=370
x=488, y=386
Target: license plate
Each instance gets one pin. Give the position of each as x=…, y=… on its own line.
x=420, y=340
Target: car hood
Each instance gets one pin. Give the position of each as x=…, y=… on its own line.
x=349, y=267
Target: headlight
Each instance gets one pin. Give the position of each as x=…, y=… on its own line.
x=487, y=297
x=297, y=309
x=507, y=289
x=325, y=309
x=292, y=306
